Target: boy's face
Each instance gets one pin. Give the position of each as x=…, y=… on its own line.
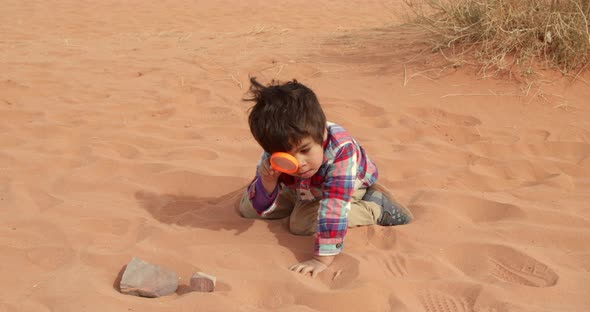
x=310, y=156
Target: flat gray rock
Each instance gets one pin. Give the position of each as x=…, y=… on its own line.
x=202, y=282
x=147, y=280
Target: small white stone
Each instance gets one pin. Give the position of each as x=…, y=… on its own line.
x=202, y=282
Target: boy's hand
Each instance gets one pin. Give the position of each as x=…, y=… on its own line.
x=313, y=266
x=269, y=177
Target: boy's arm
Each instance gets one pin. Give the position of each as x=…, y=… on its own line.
x=264, y=189
x=260, y=198
x=334, y=207
x=333, y=212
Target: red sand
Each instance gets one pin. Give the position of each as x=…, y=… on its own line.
x=122, y=134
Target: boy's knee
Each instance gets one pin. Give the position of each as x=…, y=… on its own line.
x=246, y=209
x=301, y=229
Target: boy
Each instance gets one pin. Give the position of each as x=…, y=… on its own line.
x=335, y=185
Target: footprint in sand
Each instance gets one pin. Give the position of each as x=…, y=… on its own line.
x=556, y=180
x=127, y=151
x=191, y=152
x=439, y=116
x=376, y=115
x=413, y=267
x=573, y=152
x=473, y=208
x=50, y=257
x=164, y=113
x=43, y=199
x=450, y=127
x=12, y=85
x=37, y=243
x=496, y=263
x=382, y=237
x=343, y=273
x=453, y=298
x=20, y=116
x=396, y=266
x=525, y=271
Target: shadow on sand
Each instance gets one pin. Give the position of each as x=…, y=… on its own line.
x=218, y=213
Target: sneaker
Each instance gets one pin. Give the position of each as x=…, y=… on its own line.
x=392, y=213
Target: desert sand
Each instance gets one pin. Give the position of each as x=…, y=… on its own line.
x=123, y=133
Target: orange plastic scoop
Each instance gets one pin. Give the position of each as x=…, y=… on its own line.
x=284, y=162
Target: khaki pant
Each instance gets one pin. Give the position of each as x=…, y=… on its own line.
x=304, y=216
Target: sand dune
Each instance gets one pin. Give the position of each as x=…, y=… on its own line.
x=123, y=134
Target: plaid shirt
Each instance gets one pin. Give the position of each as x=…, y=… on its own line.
x=344, y=169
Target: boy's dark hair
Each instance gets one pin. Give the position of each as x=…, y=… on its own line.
x=284, y=114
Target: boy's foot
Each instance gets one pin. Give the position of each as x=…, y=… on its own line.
x=392, y=213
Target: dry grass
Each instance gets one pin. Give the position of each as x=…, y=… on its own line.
x=508, y=35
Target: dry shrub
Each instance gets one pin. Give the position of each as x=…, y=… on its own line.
x=504, y=35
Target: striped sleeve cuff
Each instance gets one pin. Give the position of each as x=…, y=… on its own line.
x=328, y=246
